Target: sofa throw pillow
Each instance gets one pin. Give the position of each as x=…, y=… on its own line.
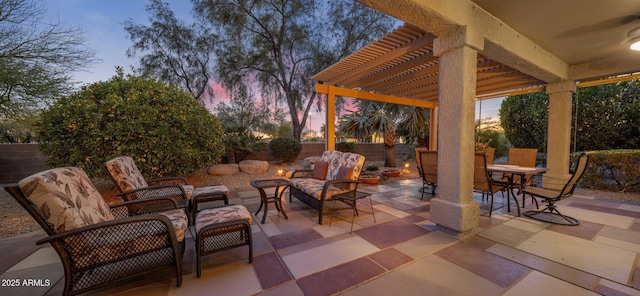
x=344, y=173
x=320, y=170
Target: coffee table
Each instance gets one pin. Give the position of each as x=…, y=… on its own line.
x=280, y=185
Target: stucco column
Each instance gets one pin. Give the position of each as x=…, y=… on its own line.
x=559, y=133
x=454, y=211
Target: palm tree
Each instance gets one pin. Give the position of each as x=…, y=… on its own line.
x=374, y=117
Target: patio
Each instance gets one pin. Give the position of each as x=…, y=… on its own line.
x=400, y=254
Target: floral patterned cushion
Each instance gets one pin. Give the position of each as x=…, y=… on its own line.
x=66, y=198
x=313, y=187
x=179, y=220
x=221, y=214
x=339, y=159
x=211, y=189
x=125, y=173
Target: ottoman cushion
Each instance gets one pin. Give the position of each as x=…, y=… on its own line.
x=221, y=214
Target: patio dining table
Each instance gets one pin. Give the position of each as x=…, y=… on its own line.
x=511, y=172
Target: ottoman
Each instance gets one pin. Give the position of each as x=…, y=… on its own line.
x=222, y=228
x=208, y=196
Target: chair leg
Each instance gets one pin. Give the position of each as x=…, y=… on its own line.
x=491, y=205
x=550, y=214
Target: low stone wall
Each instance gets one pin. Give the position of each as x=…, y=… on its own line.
x=20, y=160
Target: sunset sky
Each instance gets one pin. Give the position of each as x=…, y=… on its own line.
x=103, y=25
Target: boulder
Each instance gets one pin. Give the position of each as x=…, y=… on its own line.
x=254, y=166
x=223, y=169
x=307, y=163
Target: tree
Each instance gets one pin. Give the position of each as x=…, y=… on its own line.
x=607, y=116
x=164, y=129
x=604, y=117
x=279, y=44
x=524, y=120
x=373, y=117
x=36, y=58
x=240, y=119
x=173, y=51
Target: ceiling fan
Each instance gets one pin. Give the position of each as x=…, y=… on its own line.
x=603, y=25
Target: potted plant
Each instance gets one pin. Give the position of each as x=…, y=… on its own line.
x=369, y=175
x=392, y=172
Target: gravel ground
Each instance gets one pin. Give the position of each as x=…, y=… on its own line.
x=15, y=220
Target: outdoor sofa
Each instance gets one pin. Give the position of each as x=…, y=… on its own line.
x=334, y=173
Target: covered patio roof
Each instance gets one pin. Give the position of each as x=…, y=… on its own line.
x=450, y=53
x=402, y=64
x=527, y=44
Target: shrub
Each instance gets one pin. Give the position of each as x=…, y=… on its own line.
x=617, y=170
x=346, y=146
x=371, y=168
x=285, y=149
x=165, y=130
x=240, y=143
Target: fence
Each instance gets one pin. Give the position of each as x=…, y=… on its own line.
x=21, y=160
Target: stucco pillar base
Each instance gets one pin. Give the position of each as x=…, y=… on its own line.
x=554, y=181
x=454, y=218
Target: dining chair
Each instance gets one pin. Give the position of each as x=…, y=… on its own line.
x=525, y=157
x=429, y=166
x=417, y=151
x=550, y=213
x=481, y=179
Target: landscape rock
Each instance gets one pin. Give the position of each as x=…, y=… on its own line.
x=254, y=166
x=223, y=169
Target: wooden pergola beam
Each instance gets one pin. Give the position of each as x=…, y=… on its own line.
x=356, y=94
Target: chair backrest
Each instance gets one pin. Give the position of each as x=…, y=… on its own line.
x=522, y=156
x=337, y=159
x=61, y=199
x=429, y=164
x=125, y=174
x=481, y=180
x=581, y=167
x=417, y=151
x=491, y=155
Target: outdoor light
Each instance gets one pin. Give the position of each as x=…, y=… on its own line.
x=280, y=172
x=634, y=39
x=406, y=170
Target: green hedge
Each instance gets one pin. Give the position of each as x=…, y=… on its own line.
x=346, y=147
x=165, y=130
x=616, y=170
x=285, y=149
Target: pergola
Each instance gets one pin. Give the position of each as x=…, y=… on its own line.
x=451, y=53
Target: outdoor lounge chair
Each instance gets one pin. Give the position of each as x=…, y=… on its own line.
x=429, y=164
x=131, y=184
x=100, y=245
x=482, y=181
x=550, y=213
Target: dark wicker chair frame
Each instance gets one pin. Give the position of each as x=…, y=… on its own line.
x=223, y=236
x=169, y=186
x=550, y=213
x=482, y=181
x=90, y=261
x=321, y=205
x=429, y=169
